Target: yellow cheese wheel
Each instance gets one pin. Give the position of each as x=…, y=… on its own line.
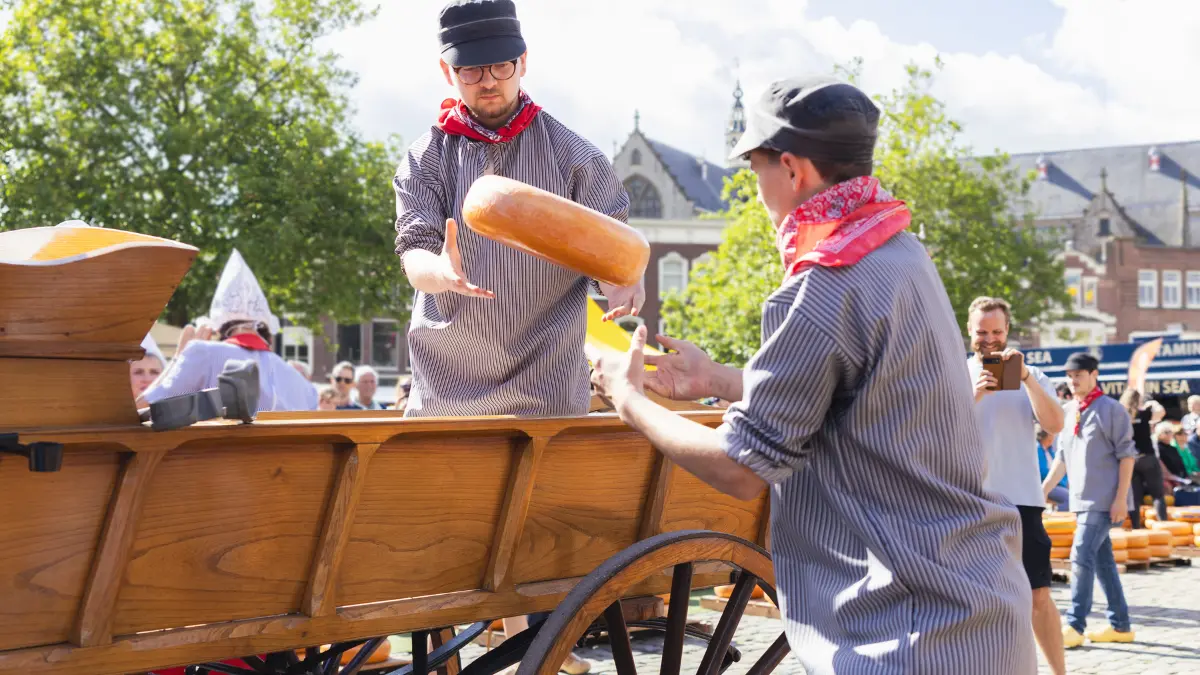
x=1120, y=556
x=1181, y=540
x=1137, y=539
x=723, y=591
x=1159, y=537
x=1063, y=539
x=1188, y=514
x=1119, y=540
x=1147, y=499
x=1172, y=527
x=1169, y=499
x=1196, y=529
x=1138, y=553
x=556, y=229
x=1158, y=551
x=1059, y=526
x=1060, y=552
x=1196, y=541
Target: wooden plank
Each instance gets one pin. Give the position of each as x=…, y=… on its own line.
x=753, y=608
x=764, y=526
x=62, y=384
x=428, y=516
x=512, y=518
x=94, y=624
x=227, y=532
x=320, y=596
x=588, y=503
x=656, y=505
x=329, y=424
x=49, y=534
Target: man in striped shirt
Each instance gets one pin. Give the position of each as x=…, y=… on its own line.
x=857, y=414
x=496, y=331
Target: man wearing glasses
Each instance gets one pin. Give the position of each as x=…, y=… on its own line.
x=496, y=331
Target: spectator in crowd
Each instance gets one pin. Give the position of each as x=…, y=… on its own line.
x=1174, y=473
x=402, y=389
x=1007, y=420
x=1097, y=453
x=144, y=371
x=1183, y=443
x=1190, y=420
x=342, y=379
x=1147, y=474
x=366, y=383
x=1045, y=449
x=1064, y=392
x=327, y=398
x=302, y=368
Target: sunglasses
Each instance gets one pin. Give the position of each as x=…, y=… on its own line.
x=344, y=380
x=474, y=74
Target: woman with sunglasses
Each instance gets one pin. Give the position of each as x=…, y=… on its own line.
x=342, y=379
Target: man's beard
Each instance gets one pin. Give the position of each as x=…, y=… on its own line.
x=986, y=348
x=495, y=116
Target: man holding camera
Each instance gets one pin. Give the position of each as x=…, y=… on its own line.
x=1007, y=413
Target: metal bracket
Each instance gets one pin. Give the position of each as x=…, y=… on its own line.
x=44, y=456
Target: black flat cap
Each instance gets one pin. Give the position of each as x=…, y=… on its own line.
x=1083, y=361
x=818, y=118
x=480, y=32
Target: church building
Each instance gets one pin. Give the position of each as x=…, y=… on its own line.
x=674, y=198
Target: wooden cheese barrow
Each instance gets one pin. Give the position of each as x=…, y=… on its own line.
x=129, y=550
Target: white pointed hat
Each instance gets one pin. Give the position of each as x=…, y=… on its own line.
x=238, y=298
x=152, y=349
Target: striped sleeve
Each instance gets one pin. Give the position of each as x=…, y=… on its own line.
x=787, y=389
x=421, y=211
x=596, y=186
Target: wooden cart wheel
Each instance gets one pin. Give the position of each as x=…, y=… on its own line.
x=600, y=593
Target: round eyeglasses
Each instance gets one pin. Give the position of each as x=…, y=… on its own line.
x=499, y=71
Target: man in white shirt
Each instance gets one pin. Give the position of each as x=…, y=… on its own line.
x=1007, y=419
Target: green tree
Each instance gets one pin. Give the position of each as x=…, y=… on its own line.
x=962, y=206
x=218, y=123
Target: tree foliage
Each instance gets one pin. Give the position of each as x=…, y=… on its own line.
x=961, y=206
x=218, y=123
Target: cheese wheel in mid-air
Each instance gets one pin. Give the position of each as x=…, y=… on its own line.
x=556, y=229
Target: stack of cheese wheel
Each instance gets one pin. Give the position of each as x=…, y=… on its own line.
x=1137, y=545
x=1119, y=540
x=1180, y=533
x=1061, y=528
x=1196, y=531
x=1160, y=539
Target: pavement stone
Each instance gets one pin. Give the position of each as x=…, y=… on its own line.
x=1164, y=606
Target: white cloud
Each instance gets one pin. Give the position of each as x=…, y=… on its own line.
x=1113, y=72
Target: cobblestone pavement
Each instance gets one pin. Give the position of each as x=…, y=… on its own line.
x=1164, y=606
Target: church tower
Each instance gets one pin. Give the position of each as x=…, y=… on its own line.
x=735, y=128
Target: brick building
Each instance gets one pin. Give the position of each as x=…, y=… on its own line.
x=1126, y=222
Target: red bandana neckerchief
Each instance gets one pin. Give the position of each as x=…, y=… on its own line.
x=251, y=341
x=840, y=225
x=456, y=119
x=1083, y=405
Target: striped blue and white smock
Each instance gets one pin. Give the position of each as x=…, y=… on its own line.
x=521, y=353
x=890, y=557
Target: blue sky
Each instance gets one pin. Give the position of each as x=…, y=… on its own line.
x=1023, y=75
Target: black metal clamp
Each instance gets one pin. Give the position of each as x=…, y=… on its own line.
x=44, y=456
x=234, y=397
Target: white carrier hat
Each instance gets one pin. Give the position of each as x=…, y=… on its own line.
x=238, y=298
x=72, y=223
x=152, y=349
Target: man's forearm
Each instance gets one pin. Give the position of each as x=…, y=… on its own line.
x=423, y=269
x=1057, y=469
x=693, y=446
x=1048, y=412
x=726, y=382
x=1124, y=478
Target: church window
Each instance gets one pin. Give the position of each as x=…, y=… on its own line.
x=636, y=158
x=644, y=201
